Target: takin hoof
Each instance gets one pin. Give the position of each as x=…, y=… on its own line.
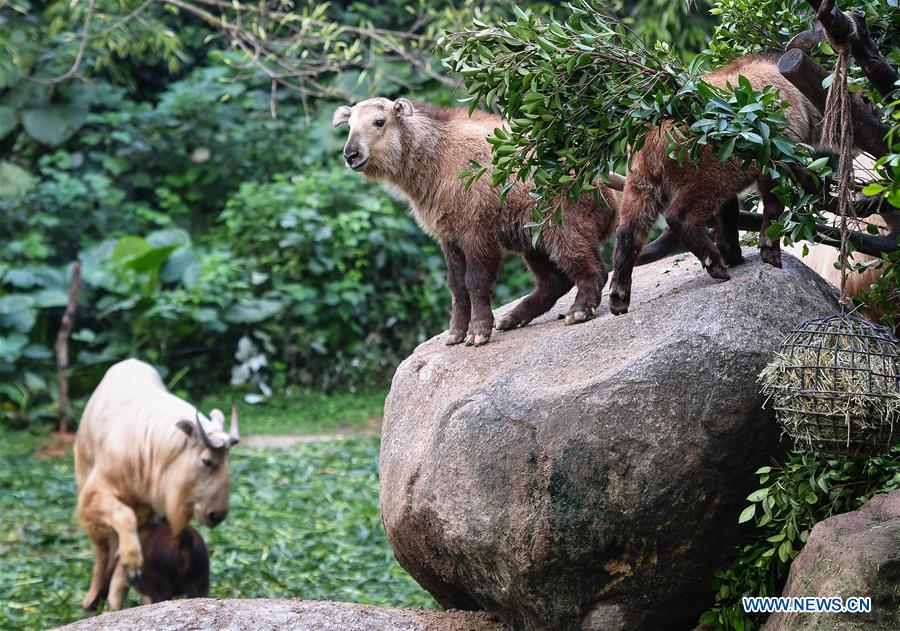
x=618, y=304
x=90, y=601
x=734, y=258
x=477, y=339
x=508, y=322
x=771, y=256
x=455, y=337
x=133, y=564
x=480, y=335
x=718, y=271
x=577, y=316
x=134, y=576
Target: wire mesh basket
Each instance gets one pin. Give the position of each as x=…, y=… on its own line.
x=835, y=385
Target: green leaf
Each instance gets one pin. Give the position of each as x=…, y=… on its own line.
x=249, y=311
x=129, y=247
x=8, y=120
x=818, y=164
x=14, y=180
x=747, y=514
x=13, y=303
x=726, y=150
x=758, y=495
x=874, y=188
x=53, y=124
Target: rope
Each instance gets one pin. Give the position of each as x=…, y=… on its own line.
x=837, y=133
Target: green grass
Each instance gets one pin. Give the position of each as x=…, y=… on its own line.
x=306, y=412
x=304, y=523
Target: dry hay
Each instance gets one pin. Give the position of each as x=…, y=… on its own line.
x=835, y=385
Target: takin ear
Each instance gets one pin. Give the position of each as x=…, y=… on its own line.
x=341, y=116
x=402, y=107
x=186, y=426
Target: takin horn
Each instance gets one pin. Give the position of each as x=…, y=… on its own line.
x=205, y=437
x=234, y=436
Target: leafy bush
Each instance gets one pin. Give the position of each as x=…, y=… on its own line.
x=352, y=282
x=794, y=496
x=331, y=278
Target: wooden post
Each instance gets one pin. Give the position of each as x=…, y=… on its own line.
x=61, y=349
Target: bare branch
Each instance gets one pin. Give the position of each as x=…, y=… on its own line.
x=61, y=349
x=82, y=47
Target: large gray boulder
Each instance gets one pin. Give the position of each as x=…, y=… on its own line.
x=590, y=477
x=207, y=614
x=854, y=554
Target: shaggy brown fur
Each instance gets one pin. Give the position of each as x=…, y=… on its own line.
x=421, y=150
x=691, y=195
x=173, y=566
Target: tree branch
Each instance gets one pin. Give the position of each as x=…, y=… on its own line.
x=804, y=73
x=61, y=349
x=82, y=47
x=852, y=31
x=873, y=245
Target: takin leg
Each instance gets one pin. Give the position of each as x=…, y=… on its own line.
x=638, y=211
x=726, y=230
x=769, y=248
x=456, y=279
x=589, y=273
x=483, y=255
x=101, y=514
x=686, y=215
x=551, y=285
x=118, y=588
x=100, y=578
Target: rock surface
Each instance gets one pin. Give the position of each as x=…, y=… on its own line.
x=207, y=614
x=590, y=477
x=854, y=554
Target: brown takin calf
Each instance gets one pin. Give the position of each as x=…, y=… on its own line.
x=691, y=195
x=173, y=566
x=421, y=150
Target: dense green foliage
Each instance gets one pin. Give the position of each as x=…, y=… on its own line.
x=199, y=219
x=793, y=497
x=304, y=523
x=581, y=92
x=572, y=117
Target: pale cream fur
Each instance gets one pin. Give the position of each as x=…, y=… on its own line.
x=132, y=461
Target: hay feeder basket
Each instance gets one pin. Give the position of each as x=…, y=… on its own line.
x=835, y=385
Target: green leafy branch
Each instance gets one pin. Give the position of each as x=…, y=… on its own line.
x=792, y=498
x=579, y=95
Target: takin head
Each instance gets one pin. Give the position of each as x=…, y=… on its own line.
x=374, y=142
x=200, y=484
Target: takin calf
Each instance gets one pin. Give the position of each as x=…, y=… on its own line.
x=691, y=195
x=173, y=566
x=421, y=150
x=141, y=451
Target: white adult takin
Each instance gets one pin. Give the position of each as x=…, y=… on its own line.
x=142, y=452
